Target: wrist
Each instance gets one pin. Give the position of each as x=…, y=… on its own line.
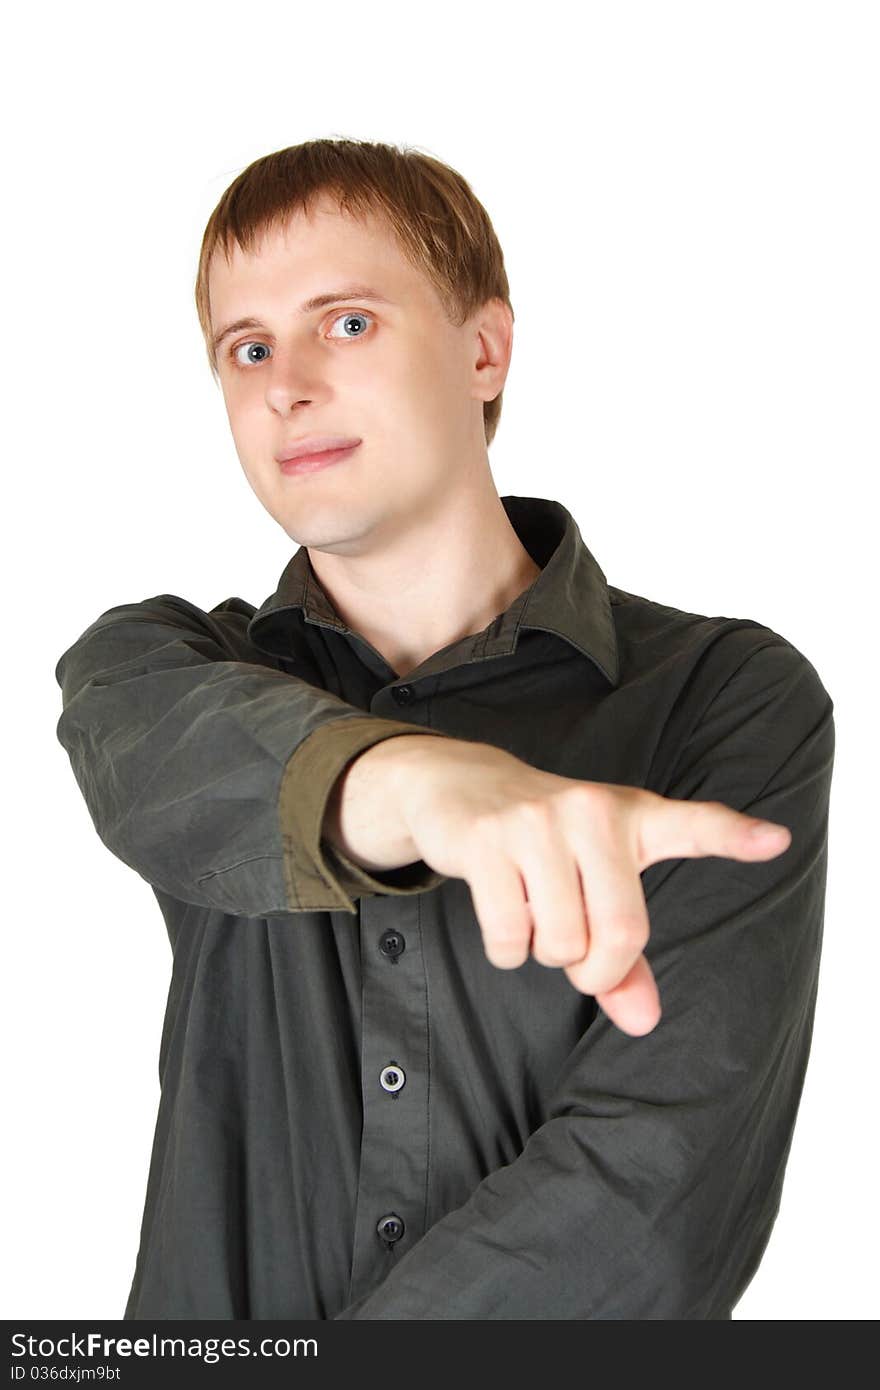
x=363, y=814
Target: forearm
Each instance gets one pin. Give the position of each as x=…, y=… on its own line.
x=363, y=817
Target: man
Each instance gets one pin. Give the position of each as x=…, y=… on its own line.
x=485, y=1001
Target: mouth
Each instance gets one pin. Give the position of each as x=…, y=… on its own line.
x=312, y=463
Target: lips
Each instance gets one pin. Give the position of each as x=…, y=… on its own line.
x=314, y=445
x=311, y=463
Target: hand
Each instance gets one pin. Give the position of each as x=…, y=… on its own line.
x=553, y=863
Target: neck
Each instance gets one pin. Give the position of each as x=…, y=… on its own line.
x=439, y=576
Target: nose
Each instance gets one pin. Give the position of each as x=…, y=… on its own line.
x=293, y=379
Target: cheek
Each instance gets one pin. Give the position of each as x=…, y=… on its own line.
x=246, y=412
x=234, y=401
x=428, y=381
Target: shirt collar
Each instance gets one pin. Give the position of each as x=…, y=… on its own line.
x=569, y=597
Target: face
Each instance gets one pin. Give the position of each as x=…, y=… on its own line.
x=395, y=375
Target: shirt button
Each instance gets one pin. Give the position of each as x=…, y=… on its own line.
x=392, y=944
x=392, y=1077
x=391, y=1227
x=403, y=694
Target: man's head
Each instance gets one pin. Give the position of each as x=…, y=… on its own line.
x=417, y=375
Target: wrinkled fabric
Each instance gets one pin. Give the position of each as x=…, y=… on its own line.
x=360, y=1116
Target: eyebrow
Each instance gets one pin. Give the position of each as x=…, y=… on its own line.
x=318, y=301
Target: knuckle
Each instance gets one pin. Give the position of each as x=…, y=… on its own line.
x=506, y=960
x=535, y=815
x=505, y=948
x=615, y=811
x=622, y=935
x=617, y=940
x=565, y=950
x=484, y=828
x=587, y=978
x=599, y=978
x=580, y=795
x=557, y=961
x=613, y=941
x=598, y=799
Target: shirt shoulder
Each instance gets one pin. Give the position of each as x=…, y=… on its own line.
x=225, y=625
x=654, y=634
x=689, y=676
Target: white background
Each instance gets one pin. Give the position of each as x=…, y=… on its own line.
x=687, y=198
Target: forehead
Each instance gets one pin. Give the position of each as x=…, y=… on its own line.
x=312, y=252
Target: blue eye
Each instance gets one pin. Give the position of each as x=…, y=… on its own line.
x=353, y=314
x=347, y=317
x=235, y=351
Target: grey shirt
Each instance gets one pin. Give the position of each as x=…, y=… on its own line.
x=360, y=1116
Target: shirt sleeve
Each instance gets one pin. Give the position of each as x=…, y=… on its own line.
x=651, y=1188
x=209, y=773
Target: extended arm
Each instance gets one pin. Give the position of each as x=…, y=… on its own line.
x=651, y=1188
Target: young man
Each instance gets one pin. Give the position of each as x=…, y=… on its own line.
x=485, y=1001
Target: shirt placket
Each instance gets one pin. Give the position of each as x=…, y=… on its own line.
x=392, y=1185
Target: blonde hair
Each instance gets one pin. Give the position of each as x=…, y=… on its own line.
x=441, y=226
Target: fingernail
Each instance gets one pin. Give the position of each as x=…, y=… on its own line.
x=765, y=827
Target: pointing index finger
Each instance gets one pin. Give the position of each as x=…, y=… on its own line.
x=674, y=828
